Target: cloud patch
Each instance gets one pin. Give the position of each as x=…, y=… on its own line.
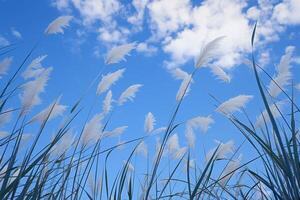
x=182, y=27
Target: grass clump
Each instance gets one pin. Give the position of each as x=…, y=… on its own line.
x=79, y=166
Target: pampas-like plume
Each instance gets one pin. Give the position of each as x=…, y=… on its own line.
x=94, y=187
x=5, y=117
x=208, y=52
x=118, y=53
x=220, y=73
x=264, y=117
x=298, y=86
x=116, y=132
x=190, y=137
x=106, y=106
x=53, y=110
x=234, y=104
x=202, y=123
x=64, y=144
x=142, y=149
x=35, y=68
x=184, y=88
x=129, y=165
x=229, y=170
x=4, y=65
x=223, y=150
x=283, y=75
x=58, y=25
x=174, y=148
x=159, y=130
x=3, y=134
x=262, y=192
x=129, y=93
x=173, y=143
x=14, y=175
x=192, y=165
x=149, y=123
x=108, y=80
x=179, y=153
x=32, y=89
x=93, y=129
x=178, y=74
x=26, y=138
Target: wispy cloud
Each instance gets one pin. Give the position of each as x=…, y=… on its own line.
x=16, y=33
x=178, y=25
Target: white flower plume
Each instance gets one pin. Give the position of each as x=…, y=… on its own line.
x=298, y=86
x=3, y=134
x=4, y=65
x=93, y=129
x=129, y=93
x=35, y=68
x=53, y=110
x=223, y=150
x=208, y=52
x=149, y=123
x=184, y=88
x=234, y=104
x=142, y=149
x=94, y=185
x=284, y=75
x=106, y=105
x=116, y=132
x=32, y=89
x=157, y=147
x=118, y=53
x=262, y=192
x=229, y=170
x=108, y=80
x=220, y=73
x=159, y=130
x=178, y=74
x=58, y=25
x=202, y=123
x=16, y=33
x=174, y=148
x=264, y=117
x=129, y=165
x=5, y=117
x=179, y=153
x=26, y=138
x=64, y=144
x=190, y=137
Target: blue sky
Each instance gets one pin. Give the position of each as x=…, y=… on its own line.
x=168, y=34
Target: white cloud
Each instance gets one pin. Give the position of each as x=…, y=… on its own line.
x=183, y=27
x=264, y=58
x=111, y=35
x=253, y=13
x=61, y=4
x=168, y=17
x=296, y=60
x=93, y=10
x=144, y=47
x=187, y=28
x=5, y=65
x=138, y=17
x=93, y=13
x=287, y=12
x=208, y=21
